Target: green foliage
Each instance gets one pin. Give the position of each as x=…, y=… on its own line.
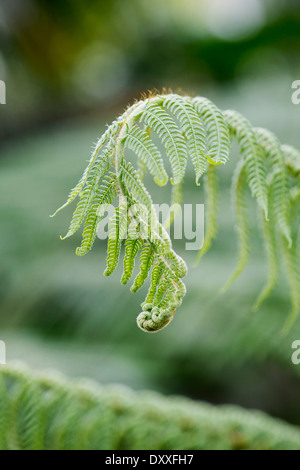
x=211, y=217
x=105, y=194
x=252, y=154
x=117, y=231
x=171, y=136
x=239, y=193
x=271, y=249
x=218, y=140
x=291, y=258
x=133, y=245
x=280, y=200
x=44, y=411
x=192, y=127
x=140, y=143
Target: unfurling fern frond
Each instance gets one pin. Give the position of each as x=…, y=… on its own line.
x=292, y=159
x=165, y=293
x=185, y=127
x=291, y=258
x=156, y=277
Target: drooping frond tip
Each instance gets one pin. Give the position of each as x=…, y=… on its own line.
x=192, y=128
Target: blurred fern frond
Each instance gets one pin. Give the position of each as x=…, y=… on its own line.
x=44, y=411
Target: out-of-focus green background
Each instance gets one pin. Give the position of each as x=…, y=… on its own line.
x=70, y=67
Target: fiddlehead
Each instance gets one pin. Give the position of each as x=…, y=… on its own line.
x=195, y=128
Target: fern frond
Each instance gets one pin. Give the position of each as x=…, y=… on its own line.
x=158, y=314
x=84, y=415
x=157, y=319
x=239, y=193
x=280, y=184
x=117, y=231
x=134, y=185
x=165, y=127
x=133, y=245
x=195, y=127
x=218, y=138
x=211, y=211
x=106, y=194
x=108, y=137
x=291, y=257
x=164, y=286
x=140, y=143
x=292, y=159
x=271, y=249
x=192, y=128
x=165, y=293
x=253, y=156
x=147, y=259
x=156, y=276
x=177, y=265
x=88, y=193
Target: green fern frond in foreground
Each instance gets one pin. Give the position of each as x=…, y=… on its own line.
x=44, y=411
x=195, y=128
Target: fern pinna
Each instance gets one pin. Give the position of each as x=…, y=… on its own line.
x=195, y=128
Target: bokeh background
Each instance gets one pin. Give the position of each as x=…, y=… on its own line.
x=71, y=67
